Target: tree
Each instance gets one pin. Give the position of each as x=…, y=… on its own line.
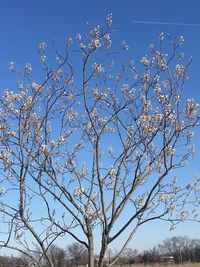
x=154, y=254
x=127, y=256
x=12, y=261
x=182, y=248
x=57, y=255
x=94, y=144
x=77, y=253
x=4, y=261
x=195, y=250
x=177, y=246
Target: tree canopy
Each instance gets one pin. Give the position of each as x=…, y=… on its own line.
x=91, y=147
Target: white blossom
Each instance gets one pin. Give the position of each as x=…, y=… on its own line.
x=156, y=79
x=145, y=61
x=181, y=40
x=111, y=171
x=43, y=58
x=170, y=150
x=78, y=37
x=161, y=36
x=125, y=46
x=53, y=143
x=157, y=89
x=29, y=100
x=84, y=169
x=36, y=87
x=191, y=108
x=180, y=69
x=69, y=41
x=61, y=140
x=190, y=134
x=11, y=66
x=108, y=40
x=109, y=20
x=71, y=97
x=82, y=46
x=42, y=46
x=98, y=68
x=110, y=150
x=97, y=43
x=192, y=149
x=28, y=68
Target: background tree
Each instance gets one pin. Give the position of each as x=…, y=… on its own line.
x=4, y=261
x=93, y=144
x=12, y=262
x=127, y=256
x=58, y=256
x=77, y=254
x=155, y=255
x=195, y=250
x=182, y=248
x=177, y=247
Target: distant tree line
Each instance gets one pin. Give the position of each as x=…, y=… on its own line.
x=74, y=255
x=181, y=248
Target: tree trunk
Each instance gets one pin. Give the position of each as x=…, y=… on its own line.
x=91, y=252
x=101, y=257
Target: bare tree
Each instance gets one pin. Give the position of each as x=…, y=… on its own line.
x=92, y=146
x=195, y=250
x=182, y=248
x=127, y=256
x=77, y=253
x=175, y=246
x=58, y=256
x=4, y=261
x=154, y=254
x=12, y=262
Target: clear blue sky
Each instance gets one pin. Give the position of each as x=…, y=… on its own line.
x=25, y=24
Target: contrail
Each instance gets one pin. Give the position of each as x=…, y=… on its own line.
x=166, y=23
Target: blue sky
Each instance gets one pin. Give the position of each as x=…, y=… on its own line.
x=25, y=24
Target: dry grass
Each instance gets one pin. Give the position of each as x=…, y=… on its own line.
x=162, y=265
